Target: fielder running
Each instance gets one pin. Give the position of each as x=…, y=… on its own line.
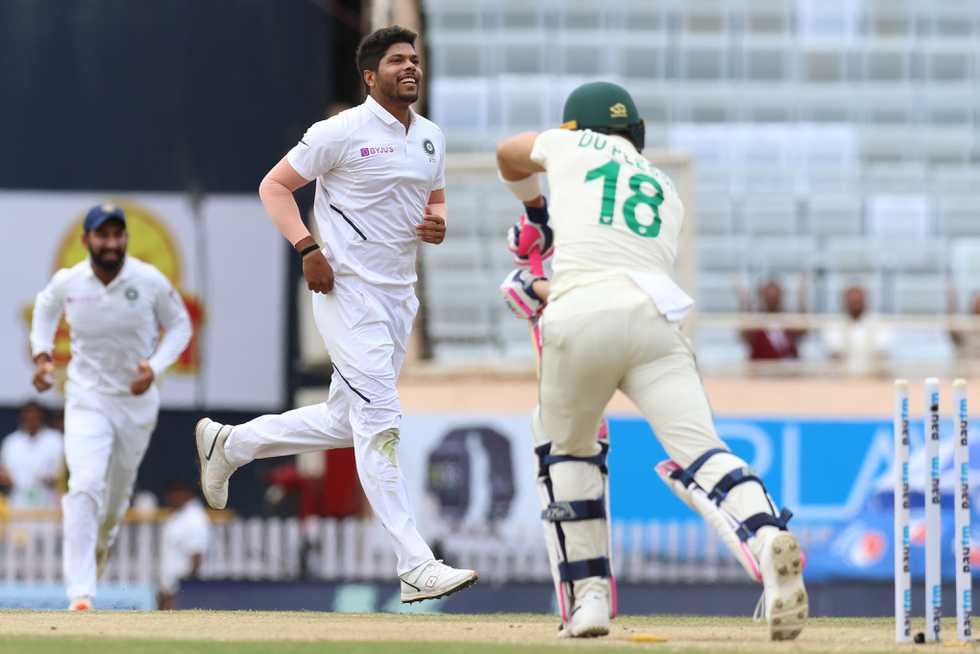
x=380, y=189
x=612, y=323
x=115, y=306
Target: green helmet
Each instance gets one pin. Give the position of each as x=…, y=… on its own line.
x=604, y=107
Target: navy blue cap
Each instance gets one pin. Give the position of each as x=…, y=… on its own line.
x=100, y=213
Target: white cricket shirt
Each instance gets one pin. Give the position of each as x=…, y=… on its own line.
x=373, y=181
x=30, y=461
x=185, y=533
x=113, y=326
x=613, y=213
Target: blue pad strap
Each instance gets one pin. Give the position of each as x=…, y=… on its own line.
x=753, y=523
x=569, y=571
x=575, y=510
x=546, y=459
x=686, y=475
x=730, y=481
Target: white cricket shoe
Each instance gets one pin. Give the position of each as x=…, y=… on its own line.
x=82, y=603
x=434, y=579
x=784, y=603
x=590, y=617
x=215, y=469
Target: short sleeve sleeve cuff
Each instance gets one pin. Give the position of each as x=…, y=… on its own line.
x=320, y=149
x=543, y=146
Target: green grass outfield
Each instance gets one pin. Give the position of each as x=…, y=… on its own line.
x=248, y=632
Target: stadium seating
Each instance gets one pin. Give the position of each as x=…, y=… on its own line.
x=835, y=140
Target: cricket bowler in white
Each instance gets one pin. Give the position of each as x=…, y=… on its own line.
x=115, y=305
x=380, y=189
x=611, y=322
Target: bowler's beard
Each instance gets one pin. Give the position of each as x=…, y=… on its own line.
x=391, y=90
x=108, y=265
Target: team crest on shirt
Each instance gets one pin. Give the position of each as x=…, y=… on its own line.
x=132, y=294
x=430, y=149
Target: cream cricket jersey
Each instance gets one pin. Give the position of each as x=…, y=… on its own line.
x=373, y=181
x=113, y=326
x=613, y=214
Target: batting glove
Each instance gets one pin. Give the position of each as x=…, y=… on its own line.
x=517, y=289
x=525, y=236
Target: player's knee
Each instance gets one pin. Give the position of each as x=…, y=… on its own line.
x=378, y=458
x=90, y=485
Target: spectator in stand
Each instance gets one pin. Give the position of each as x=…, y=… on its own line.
x=967, y=342
x=31, y=460
x=773, y=342
x=858, y=341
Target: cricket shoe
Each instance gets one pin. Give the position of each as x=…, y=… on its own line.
x=83, y=603
x=434, y=579
x=590, y=617
x=784, y=603
x=215, y=469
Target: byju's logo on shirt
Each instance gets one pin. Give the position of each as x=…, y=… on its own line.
x=381, y=149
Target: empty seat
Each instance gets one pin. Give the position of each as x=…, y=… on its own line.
x=959, y=215
x=920, y=294
x=965, y=257
x=835, y=215
x=721, y=253
x=848, y=254
x=769, y=214
x=899, y=216
x=716, y=293
x=525, y=103
x=712, y=216
x=911, y=254
x=460, y=54
x=782, y=254
x=461, y=104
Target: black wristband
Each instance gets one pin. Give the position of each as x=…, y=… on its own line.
x=309, y=248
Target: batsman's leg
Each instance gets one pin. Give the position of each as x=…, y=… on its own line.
x=580, y=369
x=720, y=486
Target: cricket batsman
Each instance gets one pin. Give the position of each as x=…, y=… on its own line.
x=115, y=305
x=612, y=322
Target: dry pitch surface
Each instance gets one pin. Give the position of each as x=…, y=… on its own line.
x=244, y=632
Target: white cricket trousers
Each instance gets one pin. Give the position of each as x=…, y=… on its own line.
x=608, y=336
x=366, y=332
x=106, y=437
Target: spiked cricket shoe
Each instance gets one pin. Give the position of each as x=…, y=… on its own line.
x=590, y=617
x=784, y=602
x=434, y=579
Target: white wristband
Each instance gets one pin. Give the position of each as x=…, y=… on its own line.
x=525, y=189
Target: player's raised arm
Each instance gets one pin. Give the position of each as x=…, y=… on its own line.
x=48, y=305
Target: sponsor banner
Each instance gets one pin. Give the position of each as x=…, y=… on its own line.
x=222, y=255
x=476, y=476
